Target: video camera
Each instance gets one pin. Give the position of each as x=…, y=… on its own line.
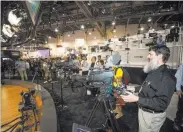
x=27, y=102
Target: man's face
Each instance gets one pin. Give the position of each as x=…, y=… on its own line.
x=93, y=59
x=153, y=62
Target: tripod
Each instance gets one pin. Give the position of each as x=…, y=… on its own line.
x=111, y=122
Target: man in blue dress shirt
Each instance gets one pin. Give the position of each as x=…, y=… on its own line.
x=179, y=89
x=160, y=41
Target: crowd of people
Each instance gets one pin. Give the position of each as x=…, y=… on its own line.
x=46, y=67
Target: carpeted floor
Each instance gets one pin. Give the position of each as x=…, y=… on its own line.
x=79, y=108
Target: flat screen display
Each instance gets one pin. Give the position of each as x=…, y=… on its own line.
x=33, y=8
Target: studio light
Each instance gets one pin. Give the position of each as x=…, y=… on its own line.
x=13, y=19
x=7, y=30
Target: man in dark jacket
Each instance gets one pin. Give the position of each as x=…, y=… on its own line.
x=156, y=91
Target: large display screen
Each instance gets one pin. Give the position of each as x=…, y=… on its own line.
x=33, y=8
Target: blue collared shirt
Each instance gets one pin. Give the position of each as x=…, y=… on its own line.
x=179, y=76
x=160, y=42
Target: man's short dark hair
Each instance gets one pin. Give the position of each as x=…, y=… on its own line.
x=99, y=56
x=164, y=50
x=101, y=62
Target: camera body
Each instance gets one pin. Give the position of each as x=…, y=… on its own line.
x=27, y=102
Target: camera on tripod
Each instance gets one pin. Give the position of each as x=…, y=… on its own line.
x=27, y=102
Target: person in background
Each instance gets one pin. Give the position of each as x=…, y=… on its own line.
x=2, y=69
x=27, y=67
x=160, y=41
x=85, y=66
x=156, y=91
x=21, y=67
x=76, y=63
x=101, y=65
x=47, y=72
x=113, y=59
x=178, y=122
x=106, y=58
x=98, y=59
x=93, y=62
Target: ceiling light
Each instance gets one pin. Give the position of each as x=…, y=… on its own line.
x=68, y=35
x=56, y=29
x=18, y=46
x=82, y=26
x=149, y=19
x=113, y=23
x=53, y=8
x=33, y=39
x=89, y=33
x=103, y=11
x=141, y=28
x=49, y=37
x=114, y=30
x=172, y=26
x=63, y=14
x=89, y=3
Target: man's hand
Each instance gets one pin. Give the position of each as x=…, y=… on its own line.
x=179, y=92
x=130, y=98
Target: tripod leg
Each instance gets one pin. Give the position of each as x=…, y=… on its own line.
x=114, y=124
x=61, y=93
x=92, y=113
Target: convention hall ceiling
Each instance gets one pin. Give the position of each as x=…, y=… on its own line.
x=70, y=15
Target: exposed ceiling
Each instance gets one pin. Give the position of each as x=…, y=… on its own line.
x=70, y=15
